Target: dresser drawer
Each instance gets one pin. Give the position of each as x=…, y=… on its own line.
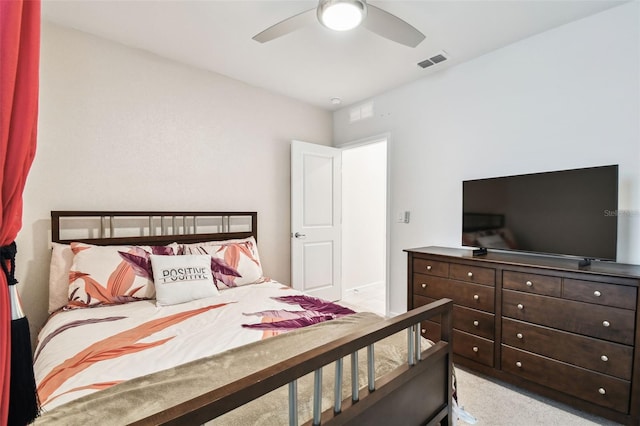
x=473, y=321
x=431, y=267
x=473, y=274
x=465, y=294
x=473, y=347
x=594, y=387
x=431, y=330
x=614, y=324
x=470, y=320
x=532, y=283
x=601, y=293
x=599, y=355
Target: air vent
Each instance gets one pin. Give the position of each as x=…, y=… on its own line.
x=360, y=112
x=435, y=59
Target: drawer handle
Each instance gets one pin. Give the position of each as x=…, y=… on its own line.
x=423, y=285
x=520, y=306
x=518, y=364
x=476, y=323
x=606, y=323
x=424, y=330
x=597, y=293
x=604, y=358
x=519, y=336
x=470, y=274
x=476, y=297
x=475, y=349
x=428, y=267
x=529, y=283
x=602, y=391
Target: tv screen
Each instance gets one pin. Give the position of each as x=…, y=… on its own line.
x=567, y=212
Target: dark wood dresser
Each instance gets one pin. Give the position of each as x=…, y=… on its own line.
x=543, y=323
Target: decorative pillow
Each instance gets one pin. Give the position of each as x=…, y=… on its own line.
x=61, y=260
x=180, y=279
x=233, y=262
x=102, y=275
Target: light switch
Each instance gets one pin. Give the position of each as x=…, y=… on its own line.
x=403, y=216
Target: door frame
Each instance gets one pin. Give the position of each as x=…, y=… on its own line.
x=366, y=141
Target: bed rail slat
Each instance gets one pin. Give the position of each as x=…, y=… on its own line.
x=337, y=391
x=418, y=343
x=371, y=368
x=355, y=377
x=411, y=353
x=317, y=396
x=293, y=403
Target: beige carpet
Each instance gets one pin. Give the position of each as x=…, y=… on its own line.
x=496, y=404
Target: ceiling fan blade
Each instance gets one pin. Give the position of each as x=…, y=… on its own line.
x=390, y=26
x=287, y=26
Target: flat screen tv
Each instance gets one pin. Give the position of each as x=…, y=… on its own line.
x=567, y=212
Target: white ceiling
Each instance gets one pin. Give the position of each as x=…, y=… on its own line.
x=315, y=64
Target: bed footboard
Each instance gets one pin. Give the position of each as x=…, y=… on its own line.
x=416, y=393
x=412, y=395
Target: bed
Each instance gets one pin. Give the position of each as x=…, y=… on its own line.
x=185, y=329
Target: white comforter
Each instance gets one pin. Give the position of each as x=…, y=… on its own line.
x=85, y=350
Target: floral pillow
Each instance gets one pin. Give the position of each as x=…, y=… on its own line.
x=61, y=261
x=103, y=275
x=233, y=262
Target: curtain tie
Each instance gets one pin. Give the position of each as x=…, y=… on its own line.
x=8, y=262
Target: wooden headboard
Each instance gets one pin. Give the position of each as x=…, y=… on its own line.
x=150, y=227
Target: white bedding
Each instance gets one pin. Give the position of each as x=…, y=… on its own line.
x=145, y=338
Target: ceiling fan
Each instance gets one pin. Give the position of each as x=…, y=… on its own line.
x=344, y=15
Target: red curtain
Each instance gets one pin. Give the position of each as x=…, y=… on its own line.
x=19, y=79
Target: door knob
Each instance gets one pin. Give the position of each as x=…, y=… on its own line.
x=299, y=235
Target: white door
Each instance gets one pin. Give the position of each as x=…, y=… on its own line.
x=315, y=219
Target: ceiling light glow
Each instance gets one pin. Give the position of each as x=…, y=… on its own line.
x=341, y=15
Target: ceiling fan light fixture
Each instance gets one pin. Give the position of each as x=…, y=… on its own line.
x=341, y=15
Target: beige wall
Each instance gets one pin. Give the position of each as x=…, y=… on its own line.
x=123, y=129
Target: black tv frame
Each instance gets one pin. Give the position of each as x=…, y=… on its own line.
x=478, y=221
